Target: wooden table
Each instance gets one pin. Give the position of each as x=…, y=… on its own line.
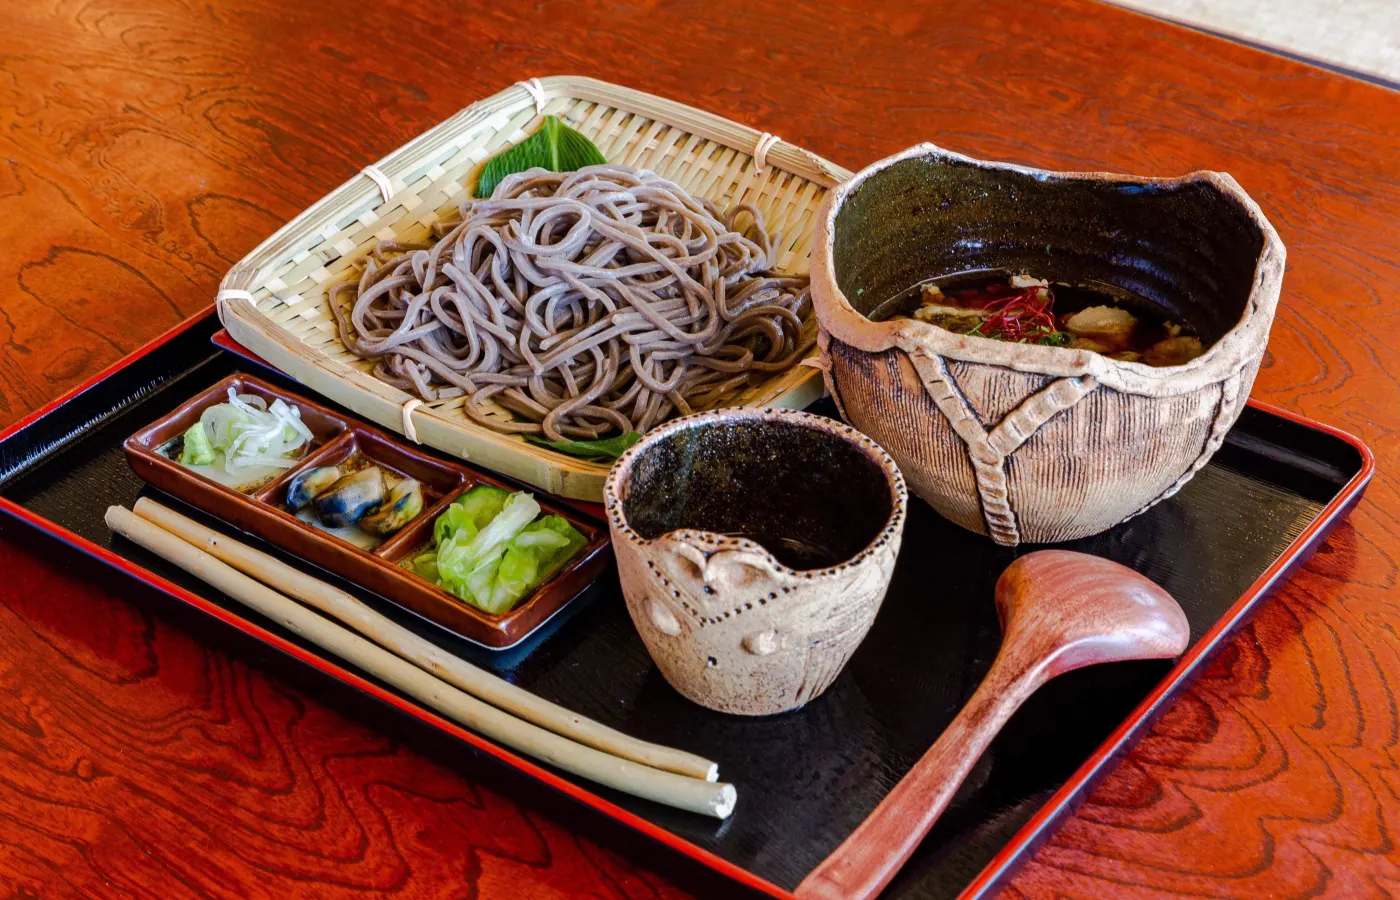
x=148, y=145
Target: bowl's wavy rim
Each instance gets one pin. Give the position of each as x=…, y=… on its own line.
x=1237, y=348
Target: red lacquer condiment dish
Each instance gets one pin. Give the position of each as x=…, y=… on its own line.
x=259, y=509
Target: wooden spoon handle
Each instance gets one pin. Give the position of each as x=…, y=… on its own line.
x=872, y=854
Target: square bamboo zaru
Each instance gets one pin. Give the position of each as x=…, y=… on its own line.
x=288, y=320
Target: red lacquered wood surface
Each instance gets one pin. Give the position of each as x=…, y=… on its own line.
x=148, y=145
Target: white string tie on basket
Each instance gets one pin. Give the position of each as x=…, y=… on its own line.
x=760, y=151
x=407, y=409
x=386, y=187
x=226, y=294
x=536, y=91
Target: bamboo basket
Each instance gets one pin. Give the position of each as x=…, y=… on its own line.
x=275, y=300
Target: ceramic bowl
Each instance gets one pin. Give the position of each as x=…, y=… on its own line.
x=754, y=548
x=1025, y=442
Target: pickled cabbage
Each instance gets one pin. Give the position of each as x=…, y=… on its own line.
x=490, y=549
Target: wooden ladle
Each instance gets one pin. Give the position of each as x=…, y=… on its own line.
x=1059, y=611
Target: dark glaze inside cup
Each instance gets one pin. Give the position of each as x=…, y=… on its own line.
x=1185, y=246
x=810, y=497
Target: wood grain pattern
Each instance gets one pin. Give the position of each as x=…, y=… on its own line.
x=148, y=145
x=141, y=761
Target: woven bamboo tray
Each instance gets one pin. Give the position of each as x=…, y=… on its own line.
x=275, y=300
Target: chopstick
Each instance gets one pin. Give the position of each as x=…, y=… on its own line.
x=422, y=653
x=692, y=794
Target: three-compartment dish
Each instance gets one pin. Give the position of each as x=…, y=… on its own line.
x=278, y=504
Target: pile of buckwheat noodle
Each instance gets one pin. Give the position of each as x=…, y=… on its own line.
x=589, y=302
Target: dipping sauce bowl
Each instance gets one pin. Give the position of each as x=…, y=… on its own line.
x=754, y=547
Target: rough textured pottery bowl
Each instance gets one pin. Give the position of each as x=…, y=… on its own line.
x=717, y=520
x=1025, y=442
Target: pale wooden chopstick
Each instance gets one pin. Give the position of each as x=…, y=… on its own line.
x=423, y=653
x=692, y=794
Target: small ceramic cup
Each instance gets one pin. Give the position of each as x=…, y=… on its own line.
x=755, y=547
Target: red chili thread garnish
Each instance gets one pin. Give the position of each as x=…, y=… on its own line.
x=1017, y=317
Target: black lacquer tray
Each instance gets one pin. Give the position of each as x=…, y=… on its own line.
x=807, y=778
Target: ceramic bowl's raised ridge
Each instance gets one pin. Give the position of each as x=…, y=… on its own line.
x=1025, y=442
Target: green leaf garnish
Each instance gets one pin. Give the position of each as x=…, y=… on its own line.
x=603, y=448
x=555, y=147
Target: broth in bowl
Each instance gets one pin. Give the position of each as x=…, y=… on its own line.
x=1024, y=309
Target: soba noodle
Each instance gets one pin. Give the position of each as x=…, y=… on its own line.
x=584, y=303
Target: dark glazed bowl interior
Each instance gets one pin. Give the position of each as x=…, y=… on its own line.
x=790, y=487
x=1185, y=246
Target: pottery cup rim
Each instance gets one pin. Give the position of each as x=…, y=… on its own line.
x=614, y=493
